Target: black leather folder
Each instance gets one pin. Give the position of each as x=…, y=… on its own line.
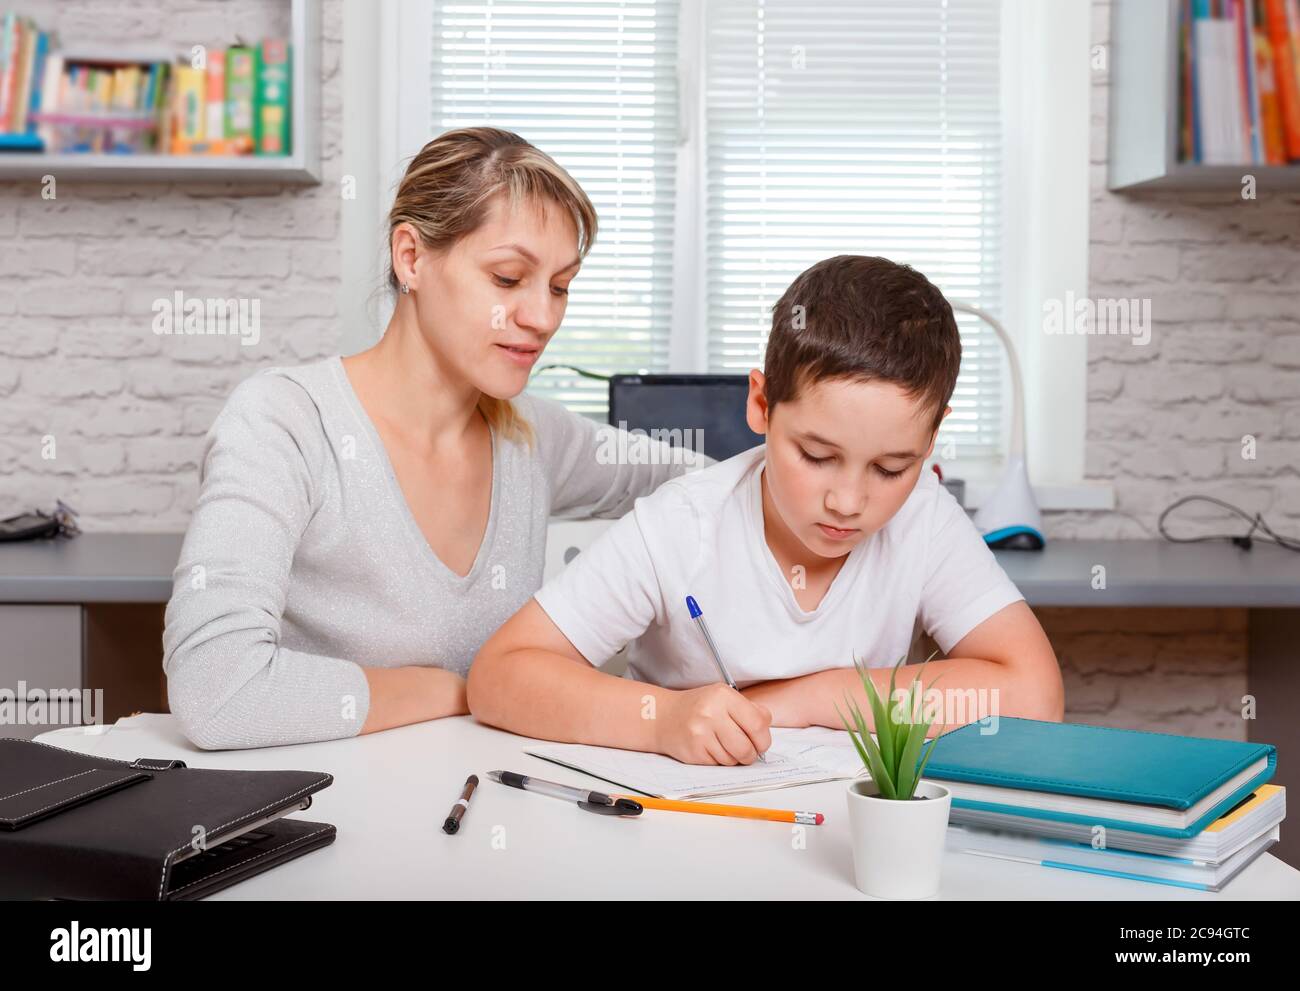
x=80, y=827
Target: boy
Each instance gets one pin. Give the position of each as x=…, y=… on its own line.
x=827, y=542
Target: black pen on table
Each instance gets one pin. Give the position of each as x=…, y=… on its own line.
x=452, y=823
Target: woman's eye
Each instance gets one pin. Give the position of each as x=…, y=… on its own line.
x=889, y=474
x=504, y=282
x=811, y=460
x=560, y=290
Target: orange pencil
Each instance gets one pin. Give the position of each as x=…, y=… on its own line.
x=739, y=811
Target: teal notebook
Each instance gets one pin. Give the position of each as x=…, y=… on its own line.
x=1153, y=783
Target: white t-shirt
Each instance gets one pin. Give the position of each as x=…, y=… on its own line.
x=702, y=535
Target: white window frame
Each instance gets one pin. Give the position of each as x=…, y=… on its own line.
x=1046, y=94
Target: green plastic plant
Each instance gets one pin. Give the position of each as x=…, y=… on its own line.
x=892, y=757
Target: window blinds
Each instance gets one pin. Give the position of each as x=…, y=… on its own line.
x=593, y=84
x=852, y=127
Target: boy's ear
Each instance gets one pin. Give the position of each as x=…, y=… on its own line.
x=756, y=404
x=934, y=437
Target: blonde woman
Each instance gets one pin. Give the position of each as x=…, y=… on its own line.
x=365, y=523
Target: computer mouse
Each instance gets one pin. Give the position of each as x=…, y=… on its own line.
x=1022, y=540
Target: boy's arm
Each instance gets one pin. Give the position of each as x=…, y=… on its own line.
x=535, y=677
x=529, y=679
x=1005, y=666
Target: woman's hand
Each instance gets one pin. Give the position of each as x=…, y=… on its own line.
x=399, y=696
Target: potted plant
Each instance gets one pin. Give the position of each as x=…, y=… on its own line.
x=898, y=821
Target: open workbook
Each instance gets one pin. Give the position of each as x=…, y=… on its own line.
x=797, y=757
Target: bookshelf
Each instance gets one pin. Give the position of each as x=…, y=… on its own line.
x=300, y=167
x=1144, y=88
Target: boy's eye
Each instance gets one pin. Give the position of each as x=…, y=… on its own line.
x=889, y=474
x=504, y=282
x=814, y=461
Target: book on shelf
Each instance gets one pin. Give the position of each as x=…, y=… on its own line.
x=236, y=101
x=1239, y=82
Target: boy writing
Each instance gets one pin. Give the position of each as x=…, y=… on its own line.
x=827, y=542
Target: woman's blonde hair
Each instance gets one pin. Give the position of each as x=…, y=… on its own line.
x=447, y=190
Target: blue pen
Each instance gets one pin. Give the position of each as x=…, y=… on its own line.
x=697, y=614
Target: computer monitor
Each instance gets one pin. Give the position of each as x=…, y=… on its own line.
x=714, y=405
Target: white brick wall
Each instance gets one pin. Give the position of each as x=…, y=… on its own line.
x=128, y=408
x=78, y=276
x=1167, y=420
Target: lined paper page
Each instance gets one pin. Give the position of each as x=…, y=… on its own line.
x=797, y=757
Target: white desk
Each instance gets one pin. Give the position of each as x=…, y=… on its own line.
x=392, y=791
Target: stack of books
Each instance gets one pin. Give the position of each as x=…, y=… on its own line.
x=232, y=101
x=1239, y=78
x=1180, y=810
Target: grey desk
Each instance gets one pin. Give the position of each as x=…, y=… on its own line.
x=94, y=567
x=85, y=613
x=96, y=571
x=102, y=567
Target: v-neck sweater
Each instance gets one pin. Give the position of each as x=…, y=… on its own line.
x=303, y=563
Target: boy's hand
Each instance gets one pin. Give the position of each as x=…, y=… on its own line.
x=712, y=725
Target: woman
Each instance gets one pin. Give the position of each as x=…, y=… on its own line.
x=364, y=524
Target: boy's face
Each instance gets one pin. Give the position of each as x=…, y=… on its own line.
x=828, y=451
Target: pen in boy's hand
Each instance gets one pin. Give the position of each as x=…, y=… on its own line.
x=697, y=614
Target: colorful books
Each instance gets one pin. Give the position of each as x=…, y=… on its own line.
x=58, y=100
x=1283, y=21
x=1144, y=782
x=1258, y=813
x=215, y=103
x=1111, y=862
x=241, y=95
x=1239, y=82
x=191, y=109
x=1155, y=807
x=274, y=80
x=24, y=49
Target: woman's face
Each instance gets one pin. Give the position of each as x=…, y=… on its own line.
x=489, y=304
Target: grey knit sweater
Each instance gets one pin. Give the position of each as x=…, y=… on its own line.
x=303, y=563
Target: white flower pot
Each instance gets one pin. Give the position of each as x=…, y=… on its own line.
x=898, y=846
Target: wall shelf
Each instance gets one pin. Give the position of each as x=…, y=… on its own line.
x=300, y=167
x=1143, y=114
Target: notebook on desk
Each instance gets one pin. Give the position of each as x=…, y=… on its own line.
x=1156, y=783
x=797, y=757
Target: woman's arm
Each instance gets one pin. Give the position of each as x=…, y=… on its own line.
x=599, y=470
x=230, y=682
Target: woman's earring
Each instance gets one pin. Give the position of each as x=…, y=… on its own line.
x=406, y=290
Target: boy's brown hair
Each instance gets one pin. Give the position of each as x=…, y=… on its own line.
x=860, y=317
